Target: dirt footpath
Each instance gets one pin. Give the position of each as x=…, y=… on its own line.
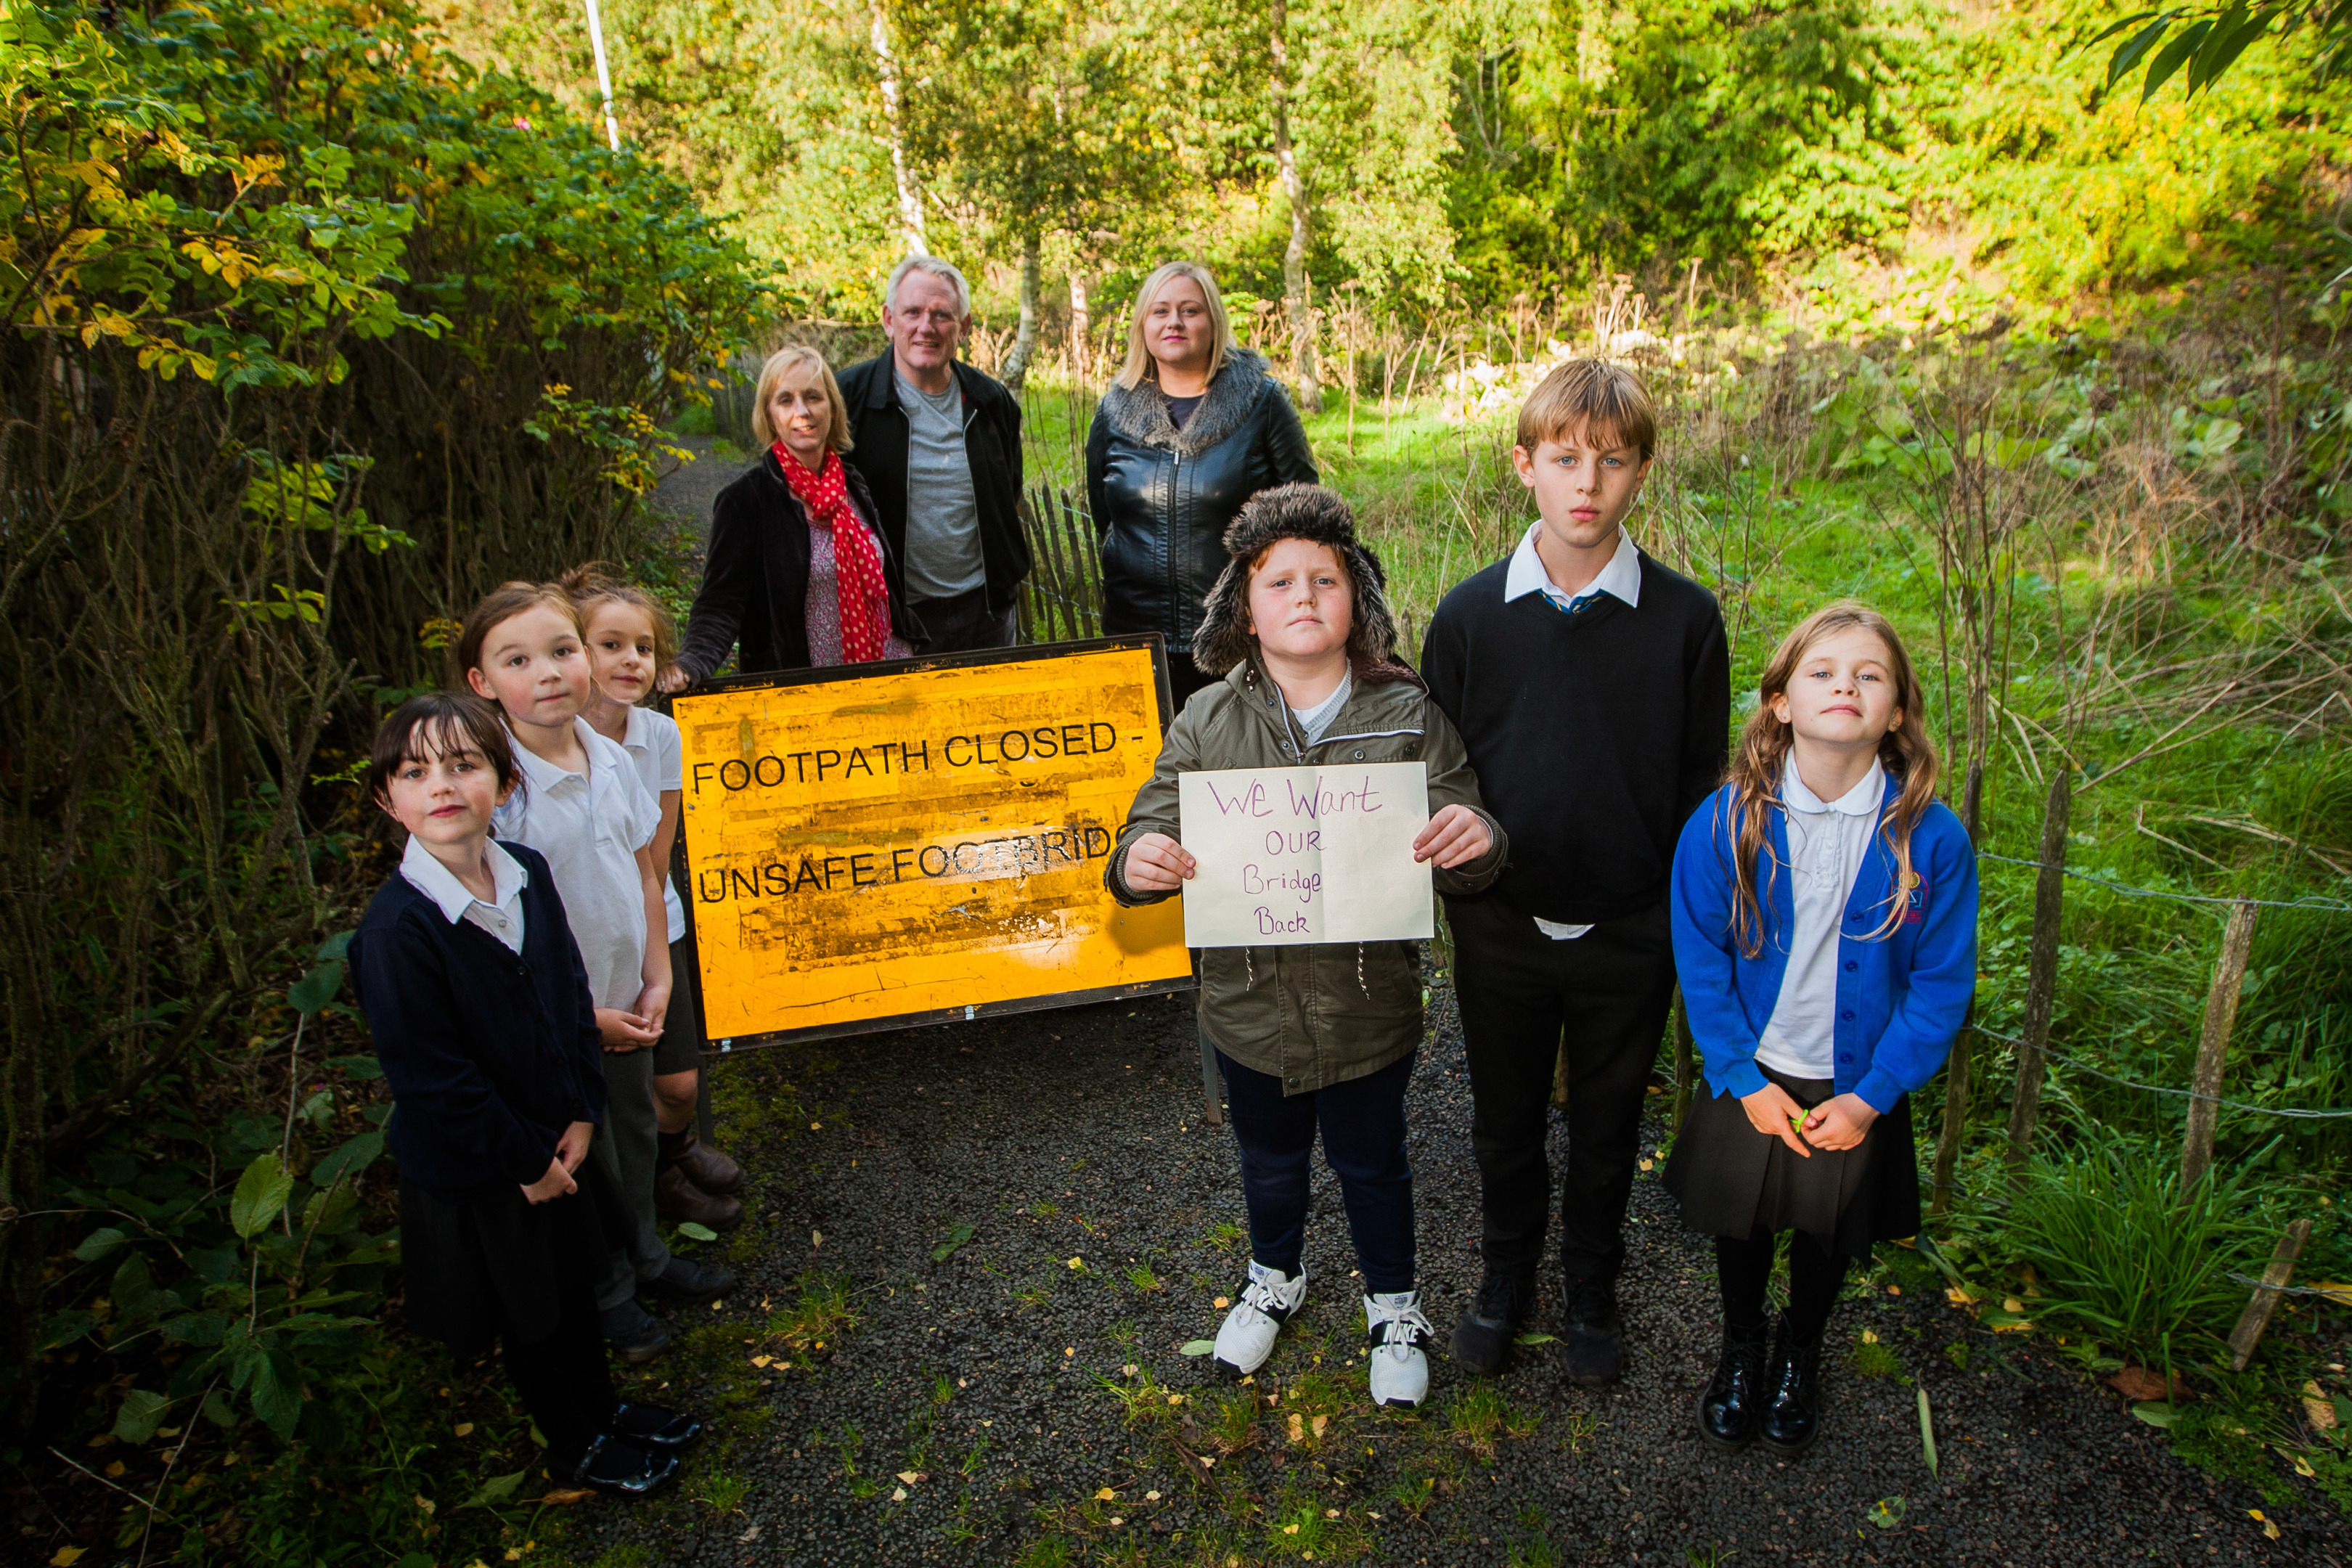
x=977, y=1252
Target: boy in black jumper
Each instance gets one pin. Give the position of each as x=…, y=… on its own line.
x=1591, y=686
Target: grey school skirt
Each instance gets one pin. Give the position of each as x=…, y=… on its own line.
x=1734, y=1181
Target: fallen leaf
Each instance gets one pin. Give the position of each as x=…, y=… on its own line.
x=763, y=1361
x=2011, y=1304
x=2270, y=1529
x=817, y=1238
x=1197, y=1347
x=1321, y=1422
x=1076, y=1263
x=1115, y=1521
x=2138, y=1383
x=2318, y=1408
x=1221, y=1303
x=67, y=1556
x=1959, y=1296
x=1533, y=1339
x=1895, y=1290
x=1207, y=1463
x=910, y=1476
x=564, y=1497
x=1151, y=1497
x=1105, y=1494
x=1069, y=1350
x=717, y=1306
x=1646, y=1164
x=1289, y=1529
x=1297, y=1428
x=897, y=1494
x=2302, y=1466
x=1330, y=1513
x=1870, y=1336
x=1175, y=1399
x=463, y=1429
x=1127, y=1371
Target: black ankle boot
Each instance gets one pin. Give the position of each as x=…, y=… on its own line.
x=1792, y=1392
x=1732, y=1407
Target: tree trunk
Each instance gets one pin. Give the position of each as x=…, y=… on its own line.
x=1294, y=255
x=1016, y=364
x=2041, y=968
x=1081, y=329
x=911, y=202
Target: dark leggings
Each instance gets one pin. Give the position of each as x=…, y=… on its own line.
x=1362, y=1124
x=564, y=1380
x=1744, y=1266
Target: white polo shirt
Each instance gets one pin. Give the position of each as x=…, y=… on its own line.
x=1621, y=579
x=1827, y=842
x=653, y=744
x=590, y=826
x=501, y=918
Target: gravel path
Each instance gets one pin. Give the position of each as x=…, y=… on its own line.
x=686, y=492
x=1012, y=1404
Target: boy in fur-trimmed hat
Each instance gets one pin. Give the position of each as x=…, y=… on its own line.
x=1319, y=1037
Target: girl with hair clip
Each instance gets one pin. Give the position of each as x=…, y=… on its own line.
x=1824, y=912
x=631, y=640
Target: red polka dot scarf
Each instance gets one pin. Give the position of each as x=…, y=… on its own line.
x=864, y=599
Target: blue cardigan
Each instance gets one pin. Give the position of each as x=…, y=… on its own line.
x=1901, y=999
x=491, y=1055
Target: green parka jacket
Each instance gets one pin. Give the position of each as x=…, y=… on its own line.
x=1318, y=1014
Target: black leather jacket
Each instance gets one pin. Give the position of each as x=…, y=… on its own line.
x=1162, y=498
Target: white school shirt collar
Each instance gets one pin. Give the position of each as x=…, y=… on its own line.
x=1620, y=578
x=1862, y=800
x=635, y=736
x=538, y=772
x=457, y=902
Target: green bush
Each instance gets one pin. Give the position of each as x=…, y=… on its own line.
x=2126, y=1258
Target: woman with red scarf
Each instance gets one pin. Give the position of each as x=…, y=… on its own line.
x=795, y=577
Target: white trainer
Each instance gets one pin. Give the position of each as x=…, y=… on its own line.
x=1246, y=1336
x=1399, y=1367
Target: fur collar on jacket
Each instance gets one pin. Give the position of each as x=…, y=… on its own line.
x=1139, y=412
x=1317, y=515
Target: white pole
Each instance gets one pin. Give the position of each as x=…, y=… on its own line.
x=603, y=77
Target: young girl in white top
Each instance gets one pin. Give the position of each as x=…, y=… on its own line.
x=581, y=806
x=1824, y=909
x=630, y=640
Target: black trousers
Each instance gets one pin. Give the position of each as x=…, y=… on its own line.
x=1522, y=994
x=1363, y=1123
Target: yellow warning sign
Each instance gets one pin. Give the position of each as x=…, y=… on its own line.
x=868, y=846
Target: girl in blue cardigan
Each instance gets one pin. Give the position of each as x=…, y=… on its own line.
x=479, y=1008
x=1825, y=913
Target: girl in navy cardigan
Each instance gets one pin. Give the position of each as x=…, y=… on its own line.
x=1825, y=913
x=479, y=1004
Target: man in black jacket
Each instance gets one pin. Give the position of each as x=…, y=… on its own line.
x=939, y=447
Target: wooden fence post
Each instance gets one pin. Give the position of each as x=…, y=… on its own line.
x=2042, y=968
x=2257, y=1315
x=2213, y=1045
x=1956, y=1113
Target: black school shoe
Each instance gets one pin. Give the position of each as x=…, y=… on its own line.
x=686, y=1280
x=1592, y=1343
x=651, y=1427
x=1731, y=1406
x=635, y=1335
x=621, y=1468
x=1482, y=1340
x=1792, y=1395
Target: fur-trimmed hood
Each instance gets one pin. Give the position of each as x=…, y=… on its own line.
x=1139, y=412
x=1319, y=516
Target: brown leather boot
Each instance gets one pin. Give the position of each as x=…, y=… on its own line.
x=675, y=1199
x=703, y=1166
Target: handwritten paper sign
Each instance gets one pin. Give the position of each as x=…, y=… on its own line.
x=1300, y=855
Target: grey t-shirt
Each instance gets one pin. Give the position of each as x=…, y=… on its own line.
x=1317, y=721
x=942, y=515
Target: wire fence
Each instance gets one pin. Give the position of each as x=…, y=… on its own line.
x=2318, y=904
x=2054, y=1054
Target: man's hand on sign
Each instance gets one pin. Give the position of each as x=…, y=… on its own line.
x=1157, y=864
x=1454, y=836
x=625, y=1031
x=673, y=679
